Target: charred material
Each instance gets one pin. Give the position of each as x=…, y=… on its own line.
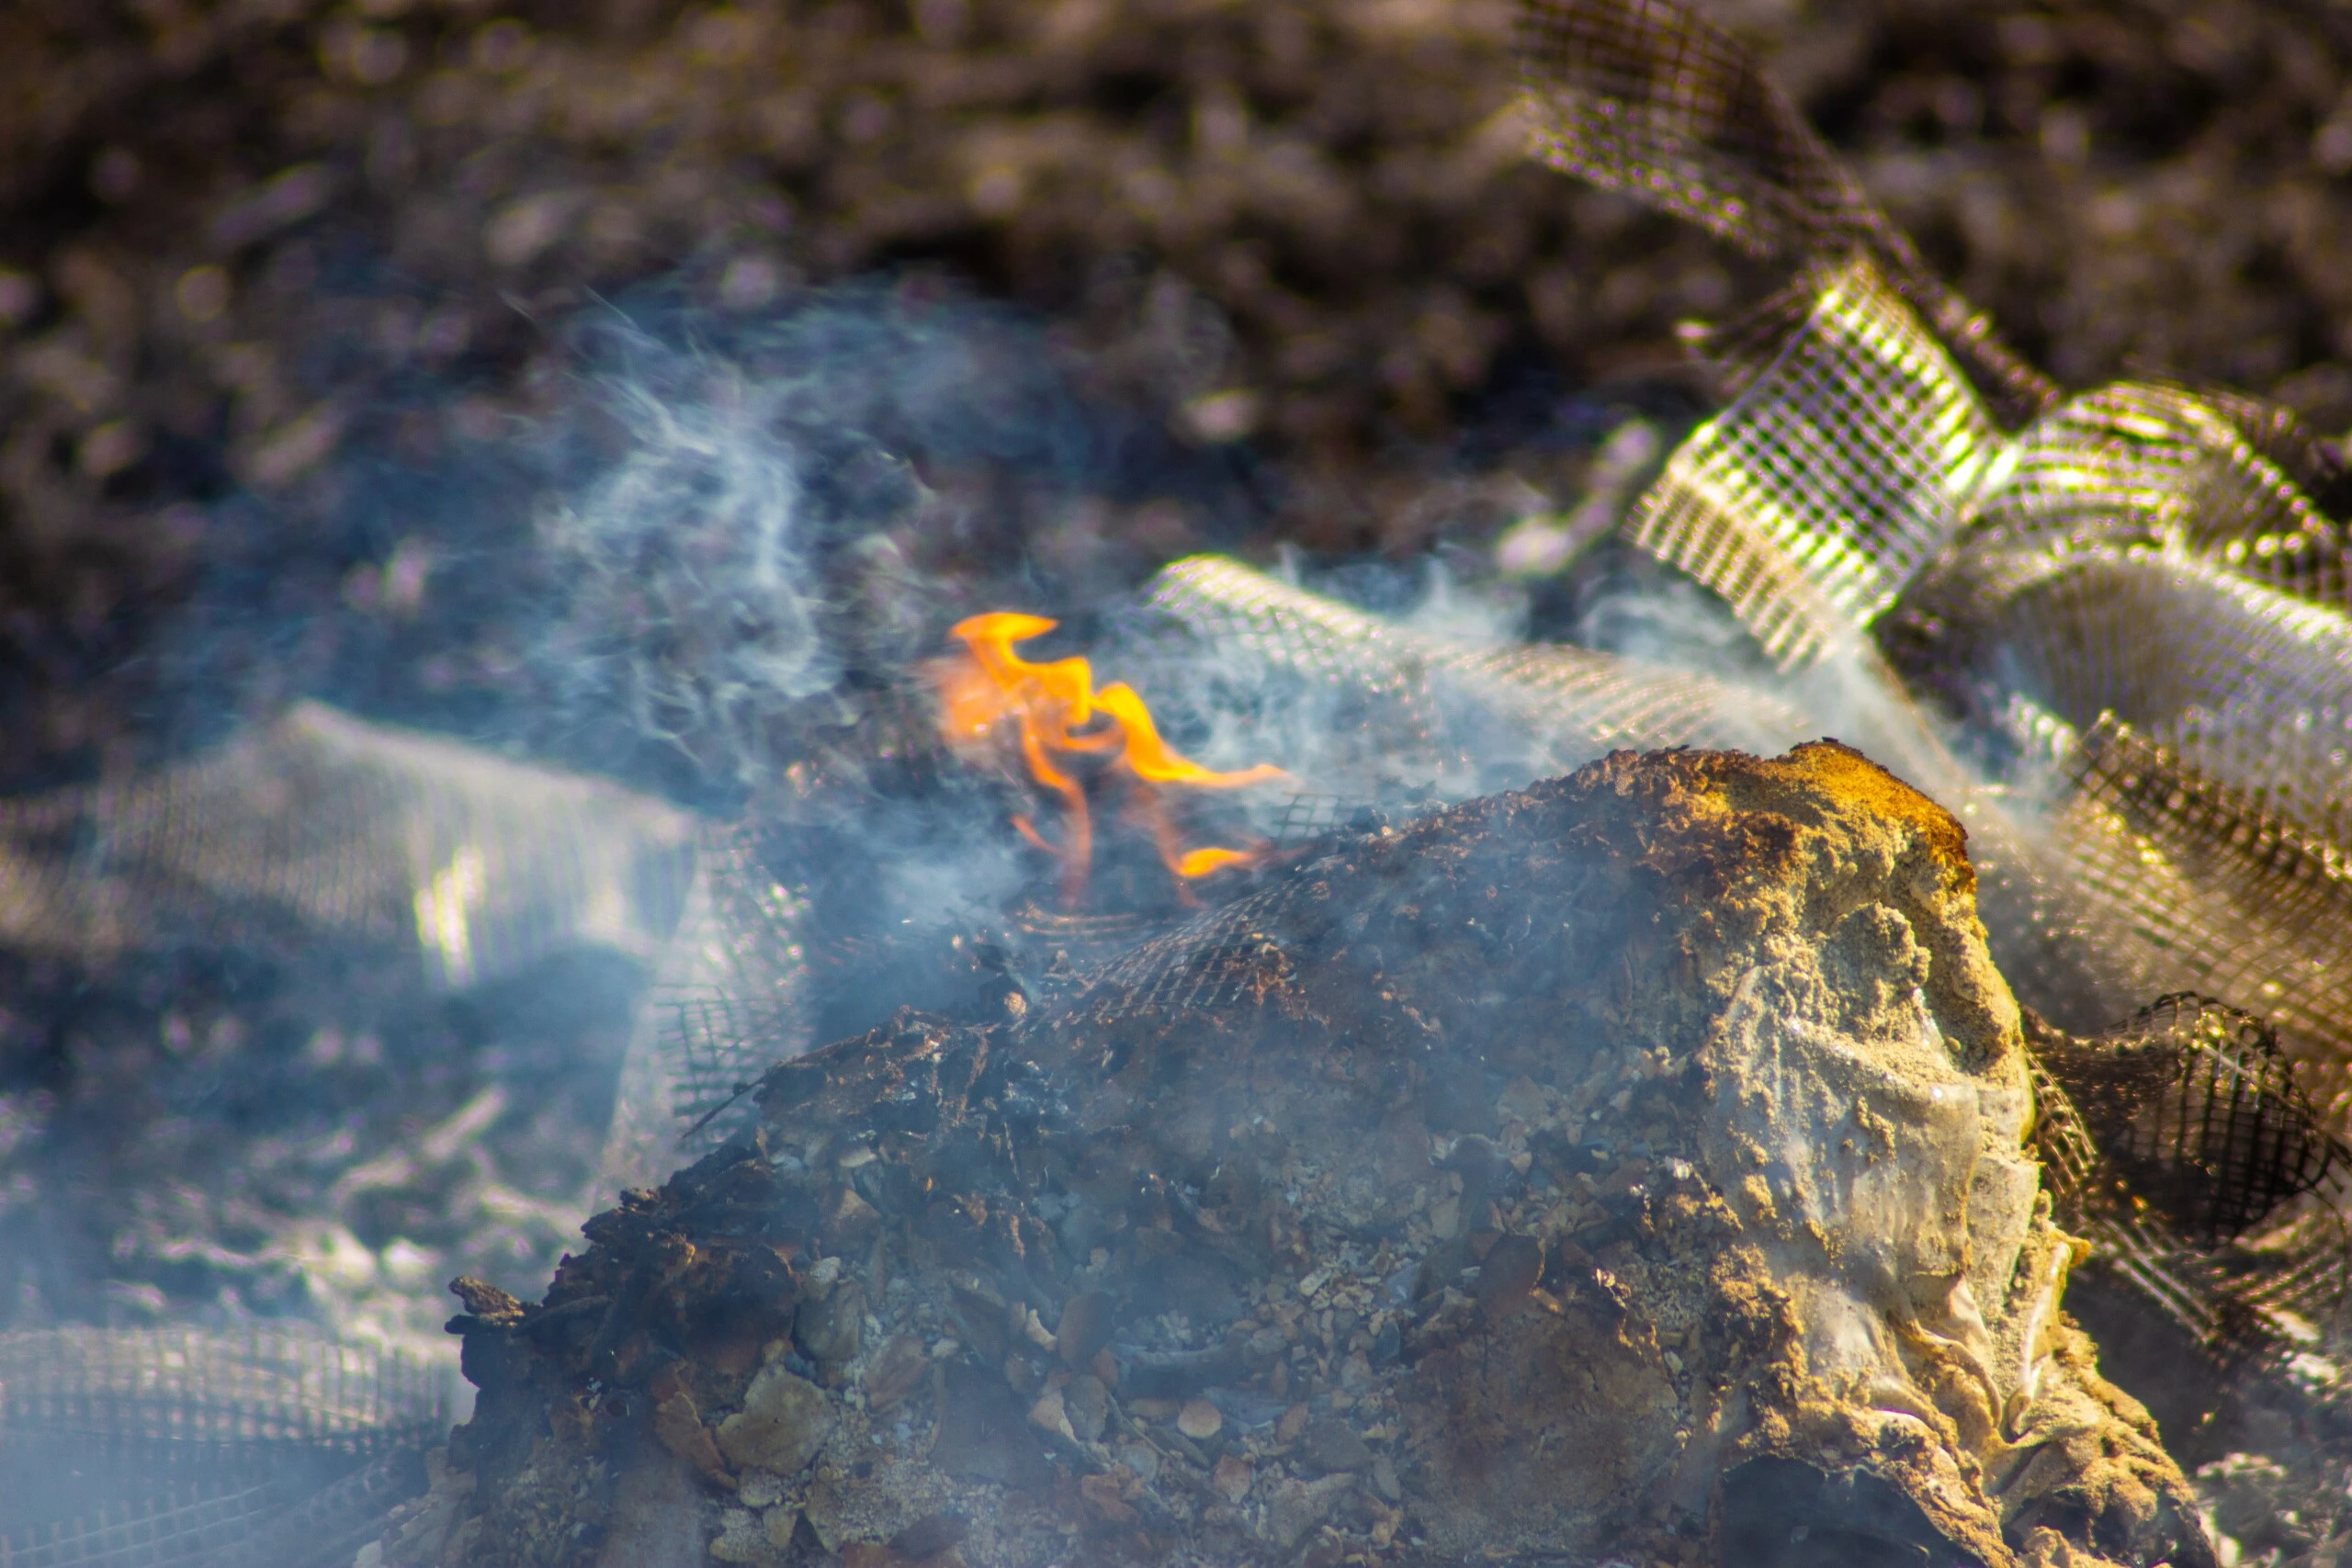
x=1533, y=1180
x=2198, y=1113
x=2182, y=1147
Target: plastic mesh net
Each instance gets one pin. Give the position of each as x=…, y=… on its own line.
x=1648, y=97
x=2238, y=680
x=2171, y=1140
x=1407, y=710
x=2127, y=1237
x=172, y=1447
x=183, y=1526
x=1211, y=961
x=726, y=1001
x=2194, y=1107
x=2144, y=463
x=2214, y=894
x=331, y=825
x=1843, y=470
x=2157, y=575
x=195, y=1386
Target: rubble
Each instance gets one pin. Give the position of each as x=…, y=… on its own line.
x=1632, y=1164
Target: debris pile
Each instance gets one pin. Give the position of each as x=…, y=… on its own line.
x=1635, y=1163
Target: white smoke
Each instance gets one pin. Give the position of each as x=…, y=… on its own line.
x=692, y=563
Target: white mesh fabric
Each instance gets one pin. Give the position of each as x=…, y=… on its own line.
x=475, y=863
x=186, y=1385
x=1466, y=716
x=1844, y=469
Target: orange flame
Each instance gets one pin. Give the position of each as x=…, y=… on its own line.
x=1053, y=705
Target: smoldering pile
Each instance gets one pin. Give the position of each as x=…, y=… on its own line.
x=1545, y=1176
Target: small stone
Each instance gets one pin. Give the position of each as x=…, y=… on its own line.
x=486, y=1302
x=1232, y=1479
x=1333, y=1446
x=930, y=1536
x=759, y=1489
x=832, y=1329
x=1383, y=1480
x=677, y=1424
x=779, y=1524
x=1087, y=1404
x=1199, y=1420
x=785, y=1420
x=1299, y=1505
x=895, y=1372
x=1141, y=1458
x=1506, y=1276
x=1048, y=1414
x=981, y=1435
x=1085, y=1328
x=1105, y=1496
x=850, y=1218
x=741, y=1538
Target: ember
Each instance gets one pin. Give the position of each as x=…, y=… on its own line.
x=1051, y=706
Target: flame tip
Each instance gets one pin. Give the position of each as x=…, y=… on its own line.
x=1051, y=702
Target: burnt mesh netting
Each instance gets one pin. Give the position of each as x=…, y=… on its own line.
x=2181, y=1145
x=2198, y=1114
x=1652, y=100
x=178, y=1448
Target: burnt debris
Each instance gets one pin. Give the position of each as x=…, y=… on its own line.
x=1442, y=1195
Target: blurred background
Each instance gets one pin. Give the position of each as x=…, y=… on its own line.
x=368, y=353
x=279, y=282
